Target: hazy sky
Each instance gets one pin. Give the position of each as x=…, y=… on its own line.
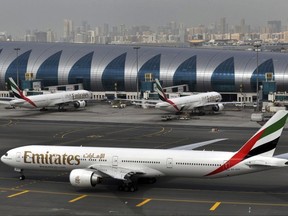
x=16, y=16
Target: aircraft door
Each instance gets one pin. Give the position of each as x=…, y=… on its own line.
x=18, y=157
x=169, y=163
x=115, y=161
x=227, y=165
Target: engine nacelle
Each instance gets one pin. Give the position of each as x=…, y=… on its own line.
x=218, y=107
x=80, y=104
x=84, y=178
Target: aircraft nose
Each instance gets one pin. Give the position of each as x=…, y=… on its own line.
x=3, y=157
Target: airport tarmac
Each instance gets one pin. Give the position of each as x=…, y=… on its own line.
x=103, y=112
x=50, y=193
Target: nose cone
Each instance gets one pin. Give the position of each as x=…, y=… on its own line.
x=2, y=158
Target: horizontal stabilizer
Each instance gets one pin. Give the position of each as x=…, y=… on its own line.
x=258, y=163
x=4, y=102
x=282, y=156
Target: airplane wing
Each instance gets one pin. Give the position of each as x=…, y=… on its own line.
x=124, y=173
x=145, y=103
x=197, y=145
x=141, y=102
x=117, y=172
x=6, y=100
x=215, y=103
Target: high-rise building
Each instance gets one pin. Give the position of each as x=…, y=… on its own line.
x=68, y=31
x=223, y=26
x=274, y=26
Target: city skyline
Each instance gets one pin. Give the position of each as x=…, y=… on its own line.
x=19, y=16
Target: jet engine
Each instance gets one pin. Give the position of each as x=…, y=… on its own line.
x=84, y=178
x=80, y=104
x=218, y=107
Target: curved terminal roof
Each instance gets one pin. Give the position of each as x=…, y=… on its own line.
x=106, y=67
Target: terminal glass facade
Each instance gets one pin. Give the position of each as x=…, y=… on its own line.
x=113, y=75
x=19, y=64
x=81, y=71
x=48, y=71
x=223, y=77
x=265, y=67
x=151, y=66
x=186, y=73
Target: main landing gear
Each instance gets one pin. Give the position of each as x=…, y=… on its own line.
x=20, y=171
x=131, y=186
x=127, y=187
x=61, y=108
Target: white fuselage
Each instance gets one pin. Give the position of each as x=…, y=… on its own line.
x=190, y=102
x=50, y=100
x=153, y=162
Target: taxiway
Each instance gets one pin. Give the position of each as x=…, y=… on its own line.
x=50, y=193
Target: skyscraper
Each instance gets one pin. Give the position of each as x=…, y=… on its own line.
x=68, y=31
x=274, y=26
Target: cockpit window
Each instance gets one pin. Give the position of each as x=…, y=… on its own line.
x=6, y=154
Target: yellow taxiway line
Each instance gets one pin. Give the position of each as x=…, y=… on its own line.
x=143, y=203
x=77, y=198
x=17, y=194
x=215, y=206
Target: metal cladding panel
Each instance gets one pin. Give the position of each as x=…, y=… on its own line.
x=207, y=60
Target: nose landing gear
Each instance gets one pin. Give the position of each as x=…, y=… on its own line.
x=20, y=171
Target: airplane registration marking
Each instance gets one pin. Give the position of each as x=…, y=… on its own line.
x=77, y=198
x=19, y=193
x=143, y=203
x=215, y=206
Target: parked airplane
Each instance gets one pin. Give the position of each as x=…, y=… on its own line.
x=59, y=99
x=89, y=165
x=188, y=103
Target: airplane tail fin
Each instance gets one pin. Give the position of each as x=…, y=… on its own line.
x=263, y=142
x=15, y=89
x=160, y=91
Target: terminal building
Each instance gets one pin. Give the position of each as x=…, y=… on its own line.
x=104, y=68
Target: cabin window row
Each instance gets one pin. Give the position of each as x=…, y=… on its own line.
x=132, y=161
x=197, y=164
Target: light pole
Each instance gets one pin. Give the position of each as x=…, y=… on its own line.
x=257, y=46
x=137, y=79
x=17, y=52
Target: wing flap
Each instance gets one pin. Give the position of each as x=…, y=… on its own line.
x=117, y=172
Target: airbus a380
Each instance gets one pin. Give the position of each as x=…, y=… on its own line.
x=59, y=99
x=89, y=165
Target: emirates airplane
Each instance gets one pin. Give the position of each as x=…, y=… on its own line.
x=89, y=165
x=59, y=99
x=188, y=103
